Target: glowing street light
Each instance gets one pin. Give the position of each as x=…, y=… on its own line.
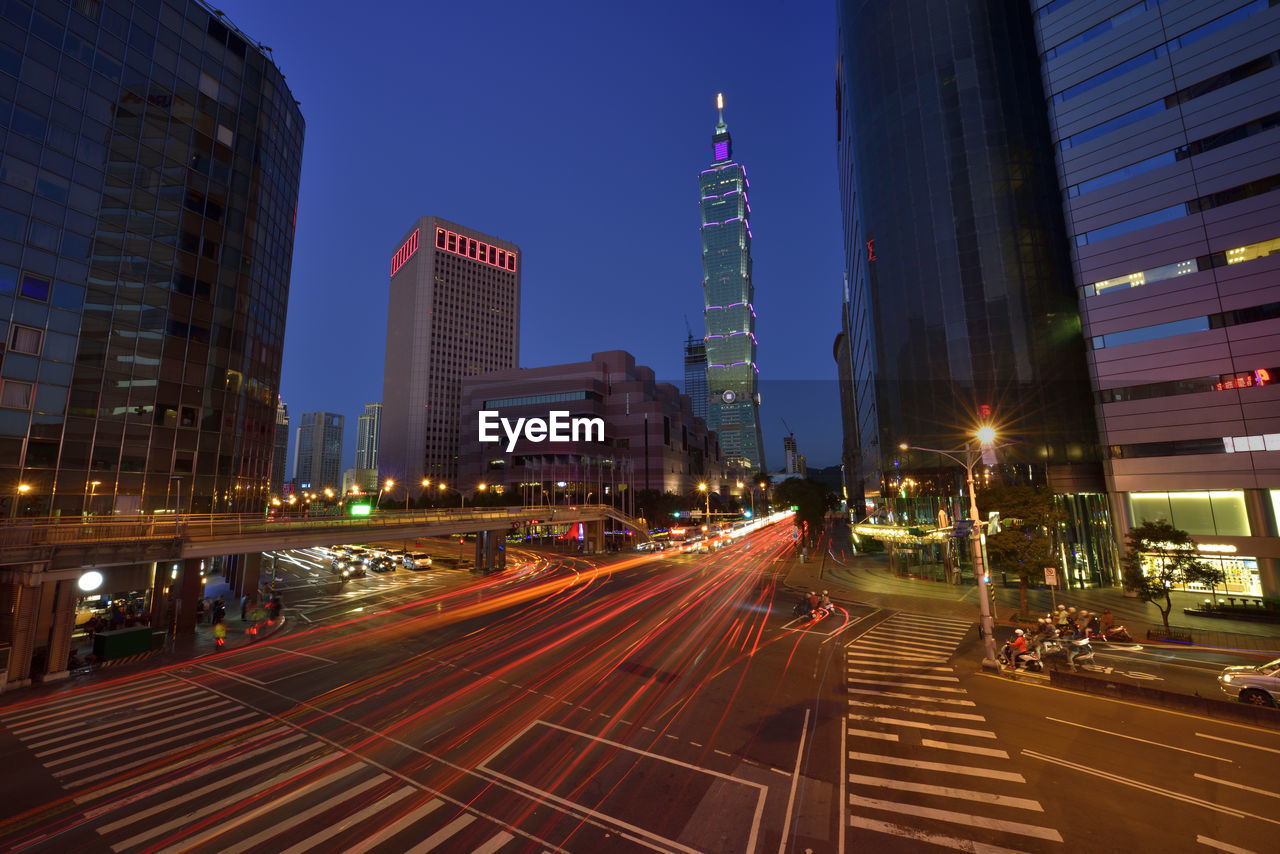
x=702, y=487
x=985, y=436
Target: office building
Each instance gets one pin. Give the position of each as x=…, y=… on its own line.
x=1165, y=129
x=651, y=438
x=733, y=380
x=280, y=454
x=695, y=374
x=790, y=456
x=318, y=454
x=151, y=160
x=454, y=312
x=960, y=309
x=368, y=429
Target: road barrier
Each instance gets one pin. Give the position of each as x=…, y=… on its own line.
x=1210, y=708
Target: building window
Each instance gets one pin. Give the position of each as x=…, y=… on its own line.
x=24, y=339
x=1197, y=513
x=15, y=394
x=35, y=287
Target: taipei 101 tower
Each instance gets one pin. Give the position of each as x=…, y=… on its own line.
x=733, y=390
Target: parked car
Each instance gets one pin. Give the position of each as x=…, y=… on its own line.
x=1258, y=685
x=417, y=560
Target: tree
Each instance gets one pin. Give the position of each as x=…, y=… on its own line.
x=1170, y=560
x=657, y=507
x=811, y=499
x=1025, y=544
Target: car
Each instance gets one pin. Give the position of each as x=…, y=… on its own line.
x=349, y=568
x=417, y=560
x=1259, y=686
x=382, y=564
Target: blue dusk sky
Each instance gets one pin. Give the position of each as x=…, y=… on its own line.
x=577, y=131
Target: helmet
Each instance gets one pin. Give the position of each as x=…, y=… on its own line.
x=1018, y=633
x=824, y=593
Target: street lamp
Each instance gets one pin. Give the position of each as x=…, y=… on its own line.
x=702, y=487
x=985, y=436
x=93, y=485
x=23, y=489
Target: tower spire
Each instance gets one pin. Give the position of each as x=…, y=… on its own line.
x=721, y=140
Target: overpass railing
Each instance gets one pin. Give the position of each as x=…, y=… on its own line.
x=26, y=532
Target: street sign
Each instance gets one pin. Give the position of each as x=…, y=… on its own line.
x=962, y=528
x=1051, y=576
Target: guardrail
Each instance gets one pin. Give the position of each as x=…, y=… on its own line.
x=26, y=533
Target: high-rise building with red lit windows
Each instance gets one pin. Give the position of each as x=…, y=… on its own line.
x=453, y=312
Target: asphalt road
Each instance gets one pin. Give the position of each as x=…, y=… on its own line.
x=644, y=703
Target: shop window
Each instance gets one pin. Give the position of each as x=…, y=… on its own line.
x=1149, y=507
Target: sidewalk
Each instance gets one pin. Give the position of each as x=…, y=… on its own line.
x=866, y=578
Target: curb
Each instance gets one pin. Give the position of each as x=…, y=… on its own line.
x=1204, y=706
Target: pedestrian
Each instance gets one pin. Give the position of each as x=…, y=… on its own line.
x=219, y=610
x=244, y=607
x=200, y=606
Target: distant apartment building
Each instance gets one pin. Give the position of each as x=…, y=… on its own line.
x=318, y=455
x=368, y=429
x=280, y=455
x=454, y=312
x=651, y=438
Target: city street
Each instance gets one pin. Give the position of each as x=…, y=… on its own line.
x=664, y=702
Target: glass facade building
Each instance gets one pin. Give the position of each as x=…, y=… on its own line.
x=1164, y=124
x=150, y=169
x=695, y=375
x=959, y=307
x=733, y=394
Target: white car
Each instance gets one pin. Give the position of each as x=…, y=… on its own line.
x=1259, y=685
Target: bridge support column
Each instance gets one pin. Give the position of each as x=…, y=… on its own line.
x=593, y=537
x=479, y=564
x=19, y=609
x=248, y=577
x=159, y=592
x=189, y=592
x=61, y=598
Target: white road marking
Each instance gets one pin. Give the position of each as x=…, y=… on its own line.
x=795, y=781
x=967, y=770
x=430, y=843
x=965, y=748
x=963, y=716
x=1223, y=846
x=150, y=743
x=149, y=713
x=392, y=829
x=870, y=733
x=1135, y=738
x=1238, y=743
x=948, y=792
x=917, y=835
x=908, y=685
x=1116, y=778
x=979, y=733
x=944, y=700
x=494, y=844
x=1238, y=786
x=295, y=820
x=1017, y=827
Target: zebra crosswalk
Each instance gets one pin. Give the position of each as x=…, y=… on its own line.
x=163, y=764
x=921, y=764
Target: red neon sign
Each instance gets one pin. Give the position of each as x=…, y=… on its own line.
x=1247, y=379
x=405, y=252
x=468, y=247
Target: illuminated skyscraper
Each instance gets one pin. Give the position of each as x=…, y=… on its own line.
x=695, y=374
x=368, y=429
x=733, y=396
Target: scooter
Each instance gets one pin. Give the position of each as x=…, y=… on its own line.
x=1118, y=634
x=1070, y=649
x=1028, y=660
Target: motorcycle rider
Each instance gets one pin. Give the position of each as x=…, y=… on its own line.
x=1017, y=648
x=824, y=602
x=812, y=602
